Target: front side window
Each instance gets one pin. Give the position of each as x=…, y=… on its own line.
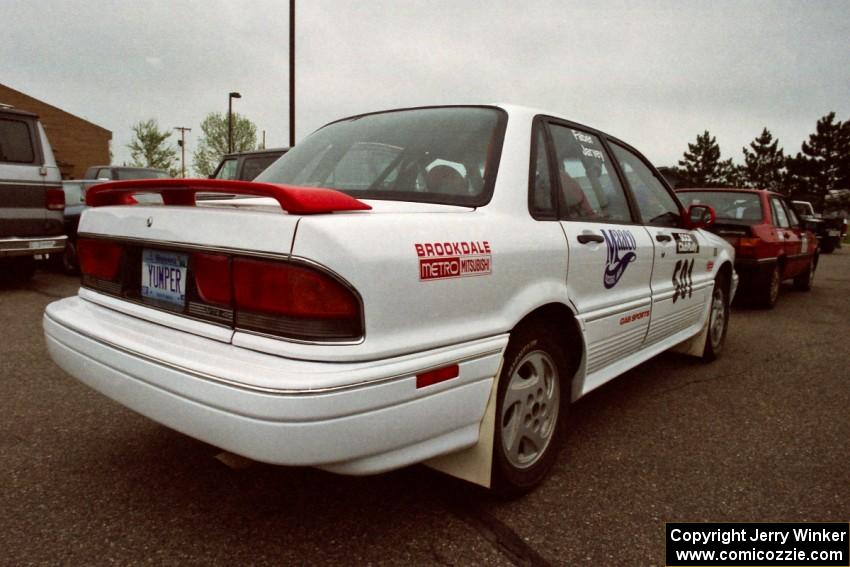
x=589, y=189
x=104, y=173
x=657, y=206
x=779, y=216
x=434, y=155
x=16, y=142
x=227, y=170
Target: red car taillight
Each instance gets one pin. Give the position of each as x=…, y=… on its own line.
x=212, y=278
x=100, y=259
x=55, y=200
x=294, y=301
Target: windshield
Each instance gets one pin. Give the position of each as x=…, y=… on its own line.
x=728, y=205
x=434, y=155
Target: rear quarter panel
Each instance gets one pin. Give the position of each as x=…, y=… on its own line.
x=380, y=255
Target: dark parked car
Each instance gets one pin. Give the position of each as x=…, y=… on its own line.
x=828, y=230
x=245, y=166
x=75, y=204
x=123, y=172
x=771, y=244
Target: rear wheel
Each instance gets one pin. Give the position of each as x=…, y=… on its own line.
x=804, y=281
x=17, y=269
x=768, y=296
x=531, y=404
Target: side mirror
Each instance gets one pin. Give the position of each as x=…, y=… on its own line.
x=700, y=216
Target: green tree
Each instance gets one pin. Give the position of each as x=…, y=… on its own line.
x=149, y=147
x=764, y=163
x=212, y=144
x=824, y=162
x=701, y=165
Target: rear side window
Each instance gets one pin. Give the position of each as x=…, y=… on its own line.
x=104, y=173
x=16, y=142
x=541, y=203
x=657, y=206
x=589, y=189
x=779, y=216
x=254, y=166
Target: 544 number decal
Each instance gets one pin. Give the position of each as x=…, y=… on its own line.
x=683, y=281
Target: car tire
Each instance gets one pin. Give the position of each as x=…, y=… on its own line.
x=804, y=281
x=827, y=247
x=769, y=294
x=718, y=321
x=69, y=259
x=531, y=405
x=17, y=270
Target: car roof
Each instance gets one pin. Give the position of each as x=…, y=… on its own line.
x=728, y=190
x=256, y=152
x=8, y=109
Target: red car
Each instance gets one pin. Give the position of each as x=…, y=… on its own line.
x=771, y=245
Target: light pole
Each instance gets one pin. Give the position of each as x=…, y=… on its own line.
x=182, y=143
x=230, y=98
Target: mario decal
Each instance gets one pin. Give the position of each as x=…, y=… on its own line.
x=621, y=252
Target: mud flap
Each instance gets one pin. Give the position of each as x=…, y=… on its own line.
x=475, y=464
x=695, y=345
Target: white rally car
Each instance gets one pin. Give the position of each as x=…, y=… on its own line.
x=429, y=284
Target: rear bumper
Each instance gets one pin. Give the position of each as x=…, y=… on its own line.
x=754, y=273
x=13, y=246
x=352, y=418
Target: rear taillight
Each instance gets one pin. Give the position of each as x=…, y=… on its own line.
x=55, y=200
x=748, y=247
x=293, y=301
x=99, y=259
x=212, y=278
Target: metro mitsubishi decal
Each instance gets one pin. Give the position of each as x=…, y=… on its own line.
x=621, y=252
x=442, y=260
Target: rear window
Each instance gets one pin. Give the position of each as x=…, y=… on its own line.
x=728, y=205
x=16, y=142
x=434, y=155
x=124, y=174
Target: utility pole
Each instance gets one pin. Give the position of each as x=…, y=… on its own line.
x=291, y=73
x=182, y=143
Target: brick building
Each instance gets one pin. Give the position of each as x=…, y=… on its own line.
x=76, y=143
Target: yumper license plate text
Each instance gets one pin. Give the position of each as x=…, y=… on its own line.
x=164, y=276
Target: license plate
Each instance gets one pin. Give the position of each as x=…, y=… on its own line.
x=832, y=232
x=164, y=277
x=42, y=244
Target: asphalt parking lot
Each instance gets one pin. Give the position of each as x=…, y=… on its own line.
x=763, y=434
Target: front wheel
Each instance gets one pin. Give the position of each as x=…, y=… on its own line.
x=531, y=404
x=718, y=321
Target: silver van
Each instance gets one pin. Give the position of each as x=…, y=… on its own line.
x=31, y=196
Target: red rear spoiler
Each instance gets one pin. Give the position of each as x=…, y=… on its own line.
x=295, y=200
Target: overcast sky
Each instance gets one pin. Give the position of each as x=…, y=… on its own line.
x=655, y=74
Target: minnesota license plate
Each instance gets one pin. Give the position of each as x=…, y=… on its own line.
x=164, y=277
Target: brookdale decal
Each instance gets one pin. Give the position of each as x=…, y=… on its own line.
x=621, y=252
x=442, y=260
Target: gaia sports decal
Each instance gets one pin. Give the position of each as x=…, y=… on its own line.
x=621, y=252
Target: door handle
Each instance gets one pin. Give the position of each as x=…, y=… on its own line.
x=663, y=237
x=587, y=238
